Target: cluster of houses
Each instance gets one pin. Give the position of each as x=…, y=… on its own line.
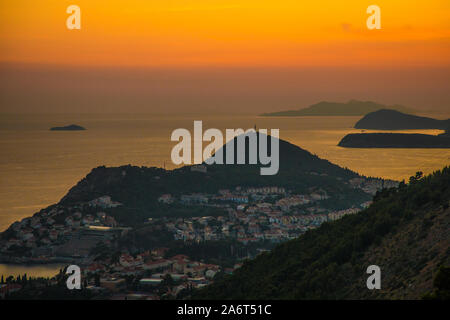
x=43, y=232
x=239, y=195
x=7, y=288
x=339, y=214
x=371, y=186
x=244, y=227
x=150, y=272
x=254, y=214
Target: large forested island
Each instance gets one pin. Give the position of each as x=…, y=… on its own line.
x=394, y=140
x=388, y=119
x=351, y=108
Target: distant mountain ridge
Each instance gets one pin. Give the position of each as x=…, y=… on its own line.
x=351, y=108
x=388, y=119
x=72, y=127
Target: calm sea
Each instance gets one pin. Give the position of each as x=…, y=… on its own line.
x=38, y=166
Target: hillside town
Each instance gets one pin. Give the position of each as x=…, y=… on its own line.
x=252, y=215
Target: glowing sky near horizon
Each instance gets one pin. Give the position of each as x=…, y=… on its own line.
x=221, y=55
x=185, y=33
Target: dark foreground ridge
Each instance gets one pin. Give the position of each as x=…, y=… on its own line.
x=394, y=140
x=404, y=232
x=387, y=119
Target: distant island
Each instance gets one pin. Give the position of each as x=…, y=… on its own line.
x=351, y=108
x=388, y=119
x=72, y=127
x=395, y=140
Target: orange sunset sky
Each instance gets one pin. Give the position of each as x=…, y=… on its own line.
x=163, y=54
